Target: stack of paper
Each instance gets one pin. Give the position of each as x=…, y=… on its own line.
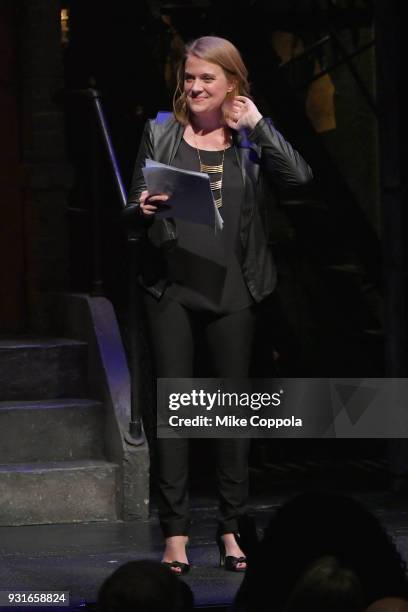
x=190, y=194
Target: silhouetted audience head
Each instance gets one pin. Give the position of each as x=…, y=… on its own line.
x=314, y=525
x=144, y=586
x=389, y=604
x=326, y=586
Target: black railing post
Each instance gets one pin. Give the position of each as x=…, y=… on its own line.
x=97, y=288
x=135, y=425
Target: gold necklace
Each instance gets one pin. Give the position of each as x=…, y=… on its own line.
x=208, y=169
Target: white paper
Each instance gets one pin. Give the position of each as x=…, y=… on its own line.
x=190, y=194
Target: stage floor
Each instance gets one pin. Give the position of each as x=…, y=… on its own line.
x=78, y=557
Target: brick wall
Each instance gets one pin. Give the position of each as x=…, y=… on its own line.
x=43, y=153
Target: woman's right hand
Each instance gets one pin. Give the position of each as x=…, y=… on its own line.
x=147, y=202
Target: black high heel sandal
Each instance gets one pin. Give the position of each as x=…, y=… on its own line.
x=177, y=567
x=229, y=562
x=174, y=566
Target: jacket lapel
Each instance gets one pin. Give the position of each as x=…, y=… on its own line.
x=167, y=137
x=248, y=155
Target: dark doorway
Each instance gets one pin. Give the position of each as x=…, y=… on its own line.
x=12, y=267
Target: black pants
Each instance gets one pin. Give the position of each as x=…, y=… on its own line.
x=229, y=338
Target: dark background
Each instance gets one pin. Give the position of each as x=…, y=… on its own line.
x=340, y=306
x=327, y=316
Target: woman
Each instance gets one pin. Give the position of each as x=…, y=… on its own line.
x=195, y=279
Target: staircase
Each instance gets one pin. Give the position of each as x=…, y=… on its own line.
x=53, y=467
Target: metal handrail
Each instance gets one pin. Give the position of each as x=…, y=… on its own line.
x=134, y=435
x=96, y=98
x=93, y=94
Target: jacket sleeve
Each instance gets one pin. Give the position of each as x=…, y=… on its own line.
x=285, y=166
x=131, y=211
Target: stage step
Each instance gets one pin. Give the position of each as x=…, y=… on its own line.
x=57, y=492
x=51, y=430
x=42, y=368
x=52, y=464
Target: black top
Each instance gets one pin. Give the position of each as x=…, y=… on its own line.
x=205, y=268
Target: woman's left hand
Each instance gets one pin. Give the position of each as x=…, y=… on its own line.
x=242, y=113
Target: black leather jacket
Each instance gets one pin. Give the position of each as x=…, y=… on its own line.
x=267, y=161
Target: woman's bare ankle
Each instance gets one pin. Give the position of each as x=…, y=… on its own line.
x=175, y=549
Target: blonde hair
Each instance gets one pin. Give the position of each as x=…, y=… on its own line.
x=217, y=51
